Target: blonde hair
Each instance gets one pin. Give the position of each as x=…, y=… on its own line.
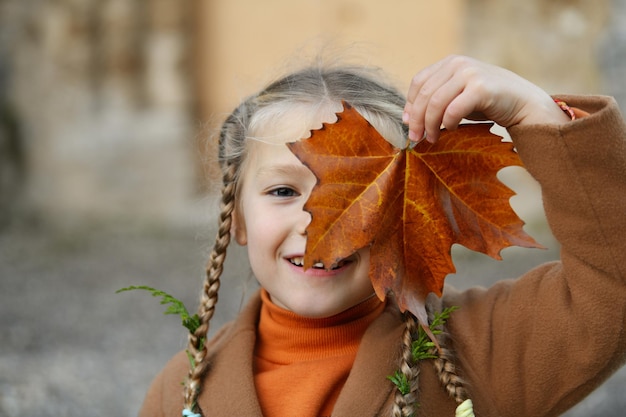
x=382, y=106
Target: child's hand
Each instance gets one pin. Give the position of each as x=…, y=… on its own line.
x=459, y=87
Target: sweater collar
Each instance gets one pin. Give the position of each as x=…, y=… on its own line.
x=285, y=337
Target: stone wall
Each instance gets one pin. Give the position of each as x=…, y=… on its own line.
x=556, y=44
x=612, y=53
x=102, y=101
x=101, y=94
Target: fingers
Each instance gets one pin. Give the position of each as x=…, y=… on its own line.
x=459, y=87
x=431, y=92
x=422, y=86
x=460, y=106
x=435, y=97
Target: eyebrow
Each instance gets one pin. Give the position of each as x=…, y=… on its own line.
x=286, y=169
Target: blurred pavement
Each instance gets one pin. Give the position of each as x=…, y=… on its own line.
x=71, y=347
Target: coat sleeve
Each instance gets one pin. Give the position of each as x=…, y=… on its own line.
x=165, y=395
x=537, y=345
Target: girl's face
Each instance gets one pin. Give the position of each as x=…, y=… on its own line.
x=271, y=221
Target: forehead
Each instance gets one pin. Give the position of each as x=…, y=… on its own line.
x=272, y=160
x=289, y=122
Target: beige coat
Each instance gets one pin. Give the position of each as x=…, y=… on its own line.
x=534, y=346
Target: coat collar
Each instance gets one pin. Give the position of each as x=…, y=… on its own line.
x=231, y=368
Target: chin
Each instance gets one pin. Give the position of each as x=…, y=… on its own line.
x=317, y=311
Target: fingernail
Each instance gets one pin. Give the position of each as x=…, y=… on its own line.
x=405, y=117
x=412, y=135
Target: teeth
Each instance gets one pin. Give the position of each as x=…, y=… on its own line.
x=340, y=264
x=298, y=261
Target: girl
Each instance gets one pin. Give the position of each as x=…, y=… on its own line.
x=319, y=343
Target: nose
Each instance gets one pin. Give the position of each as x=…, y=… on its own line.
x=303, y=221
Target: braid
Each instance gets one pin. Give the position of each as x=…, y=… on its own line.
x=405, y=403
x=196, y=343
x=231, y=136
x=446, y=369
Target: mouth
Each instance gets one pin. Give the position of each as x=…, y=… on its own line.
x=299, y=262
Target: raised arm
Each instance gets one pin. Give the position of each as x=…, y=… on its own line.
x=461, y=87
x=539, y=344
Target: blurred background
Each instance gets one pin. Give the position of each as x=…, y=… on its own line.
x=108, y=110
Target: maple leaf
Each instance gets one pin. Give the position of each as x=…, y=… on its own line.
x=409, y=206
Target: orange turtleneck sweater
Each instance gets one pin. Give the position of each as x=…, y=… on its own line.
x=301, y=364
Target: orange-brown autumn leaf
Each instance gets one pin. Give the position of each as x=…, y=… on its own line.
x=408, y=205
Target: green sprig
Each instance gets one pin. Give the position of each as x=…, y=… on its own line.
x=400, y=380
x=422, y=347
x=176, y=306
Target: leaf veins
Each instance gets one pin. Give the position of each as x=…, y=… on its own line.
x=409, y=206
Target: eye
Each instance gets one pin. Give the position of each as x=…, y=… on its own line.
x=284, y=192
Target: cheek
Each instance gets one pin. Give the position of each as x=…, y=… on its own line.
x=264, y=243
x=364, y=266
x=362, y=285
x=262, y=225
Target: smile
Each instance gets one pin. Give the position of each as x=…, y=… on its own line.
x=299, y=261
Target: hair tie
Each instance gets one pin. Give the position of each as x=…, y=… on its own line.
x=567, y=109
x=465, y=409
x=188, y=413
